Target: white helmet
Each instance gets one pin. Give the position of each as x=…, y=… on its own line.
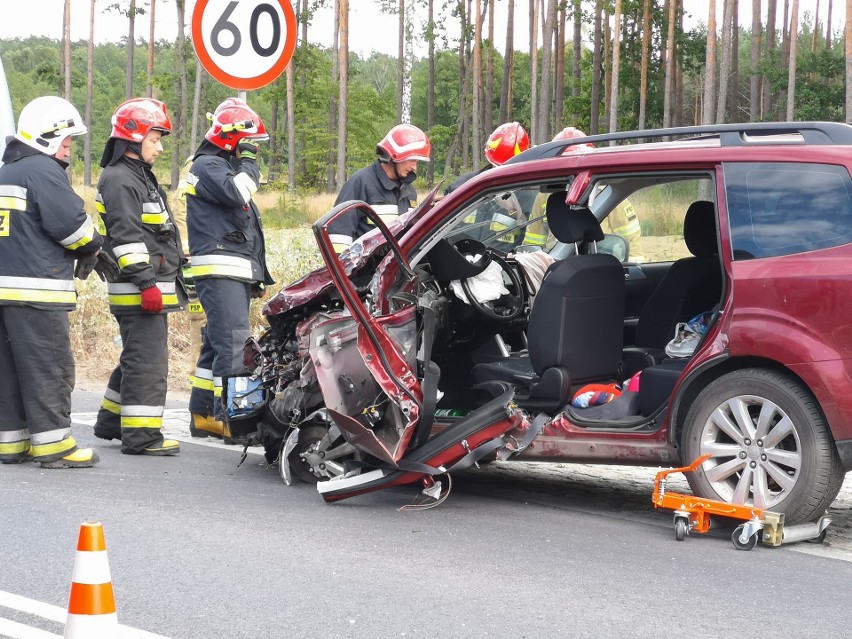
x=46, y=121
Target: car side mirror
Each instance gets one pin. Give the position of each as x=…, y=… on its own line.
x=615, y=245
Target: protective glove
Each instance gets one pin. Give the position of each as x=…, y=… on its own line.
x=107, y=268
x=152, y=299
x=85, y=265
x=258, y=291
x=247, y=150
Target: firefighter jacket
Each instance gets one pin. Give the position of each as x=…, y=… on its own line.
x=388, y=198
x=624, y=221
x=225, y=231
x=42, y=226
x=141, y=234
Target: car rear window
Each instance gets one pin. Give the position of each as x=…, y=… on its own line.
x=781, y=208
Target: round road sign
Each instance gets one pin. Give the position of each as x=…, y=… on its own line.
x=244, y=44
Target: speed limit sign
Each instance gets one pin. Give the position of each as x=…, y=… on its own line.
x=244, y=44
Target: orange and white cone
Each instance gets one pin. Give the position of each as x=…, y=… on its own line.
x=91, y=606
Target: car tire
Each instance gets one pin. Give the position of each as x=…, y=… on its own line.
x=787, y=464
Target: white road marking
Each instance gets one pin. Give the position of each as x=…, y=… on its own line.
x=50, y=612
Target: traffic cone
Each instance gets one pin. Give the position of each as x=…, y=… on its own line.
x=91, y=606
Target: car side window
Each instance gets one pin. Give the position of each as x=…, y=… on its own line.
x=781, y=208
x=651, y=219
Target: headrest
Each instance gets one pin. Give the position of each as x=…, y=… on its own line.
x=699, y=229
x=571, y=225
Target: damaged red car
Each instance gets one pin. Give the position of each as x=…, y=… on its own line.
x=522, y=318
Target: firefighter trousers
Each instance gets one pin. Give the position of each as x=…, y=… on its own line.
x=36, y=380
x=226, y=303
x=132, y=407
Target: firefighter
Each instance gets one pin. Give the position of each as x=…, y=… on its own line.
x=144, y=239
x=622, y=220
x=228, y=254
x=43, y=227
x=505, y=142
x=386, y=185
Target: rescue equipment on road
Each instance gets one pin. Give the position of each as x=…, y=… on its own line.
x=693, y=514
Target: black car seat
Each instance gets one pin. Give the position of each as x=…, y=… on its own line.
x=575, y=332
x=691, y=286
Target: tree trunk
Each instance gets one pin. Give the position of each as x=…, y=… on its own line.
x=331, y=171
x=710, y=67
x=771, y=16
x=791, y=75
x=400, y=67
x=668, y=93
x=594, y=115
x=430, y=95
x=196, y=106
x=559, y=88
x=828, y=26
x=646, y=54
x=725, y=63
x=66, y=54
x=290, y=75
x=90, y=81
x=848, y=35
x=734, y=82
x=616, y=67
x=543, y=132
x=149, y=90
x=677, y=115
x=534, y=4
x=607, y=69
x=508, y=71
x=577, y=57
x=131, y=45
x=754, y=85
x=785, y=40
x=488, y=111
x=816, y=28
x=476, y=113
x=179, y=119
x=343, y=100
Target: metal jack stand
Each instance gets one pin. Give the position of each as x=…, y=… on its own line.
x=693, y=514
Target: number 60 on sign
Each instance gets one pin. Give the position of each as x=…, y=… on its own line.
x=244, y=44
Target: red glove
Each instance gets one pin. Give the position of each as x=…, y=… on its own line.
x=152, y=299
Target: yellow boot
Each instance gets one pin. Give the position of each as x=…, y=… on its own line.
x=80, y=458
x=165, y=447
x=205, y=426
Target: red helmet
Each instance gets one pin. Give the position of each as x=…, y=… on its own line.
x=134, y=118
x=227, y=102
x=568, y=133
x=506, y=142
x=404, y=142
x=233, y=123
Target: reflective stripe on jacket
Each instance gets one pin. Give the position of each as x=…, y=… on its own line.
x=42, y=226
x=142, y=235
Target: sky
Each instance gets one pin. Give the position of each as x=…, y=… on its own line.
x=370, y=30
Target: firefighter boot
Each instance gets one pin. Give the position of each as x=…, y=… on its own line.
x=80, y=458
x=106, y=432
x=163, y=448
x=205, y=426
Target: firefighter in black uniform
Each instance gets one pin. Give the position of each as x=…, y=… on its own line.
x=142, y=236
x=386, y=185
x=228, y=254
x=43, y=227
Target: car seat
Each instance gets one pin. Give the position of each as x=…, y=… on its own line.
x=575, y=332
x=692, y=285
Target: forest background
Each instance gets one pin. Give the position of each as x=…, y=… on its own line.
x=599, y=65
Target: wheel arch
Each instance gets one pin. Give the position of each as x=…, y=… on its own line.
x=715, y=369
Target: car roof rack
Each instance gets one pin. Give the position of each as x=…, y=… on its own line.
x=814, y=133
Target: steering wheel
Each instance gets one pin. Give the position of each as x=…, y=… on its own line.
x=500, y=310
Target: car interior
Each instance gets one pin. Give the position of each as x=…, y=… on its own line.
x=594, y=318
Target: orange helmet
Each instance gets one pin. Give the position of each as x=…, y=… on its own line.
x=233, y=123
x=568, y=133
x=134, y=118
x=506, y=142
x=404, y=142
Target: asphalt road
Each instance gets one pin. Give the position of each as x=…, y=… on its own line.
x=199, y=548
